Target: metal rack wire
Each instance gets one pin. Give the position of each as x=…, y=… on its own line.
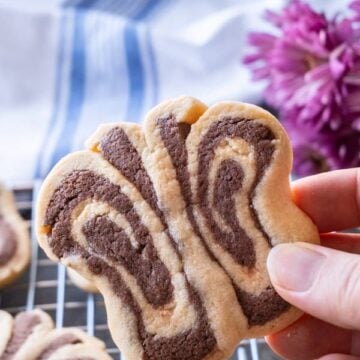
x=46, y=286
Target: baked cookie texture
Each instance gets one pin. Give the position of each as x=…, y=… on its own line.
x=81, y=282
x=14, y=240
x=31, y=336
x=173, y=222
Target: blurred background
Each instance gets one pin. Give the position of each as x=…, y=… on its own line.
x=68, y=66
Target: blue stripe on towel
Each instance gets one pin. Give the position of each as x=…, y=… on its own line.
x=153, y=69
x=77, y=79
x=77, y=89
x=134, y=63
x=77, y=82
x=135, y=73
x=56, y=102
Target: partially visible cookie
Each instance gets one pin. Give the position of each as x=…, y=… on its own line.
x=31, y=336
x=173, y=221
x=7, y=323
x=80, y=351
x=14, y=240
x=65, y=341
x=81, y=282
x=28, y=327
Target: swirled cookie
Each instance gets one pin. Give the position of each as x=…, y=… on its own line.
x=14, y=240
x=173, y=223
x=31, y=336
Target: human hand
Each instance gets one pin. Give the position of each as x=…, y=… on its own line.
x=323, y=281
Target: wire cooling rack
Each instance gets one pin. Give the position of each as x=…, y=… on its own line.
x=45, y=285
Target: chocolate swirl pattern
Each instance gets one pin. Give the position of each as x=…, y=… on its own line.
x=14, y=240
x=173, y=224
x=31, y=336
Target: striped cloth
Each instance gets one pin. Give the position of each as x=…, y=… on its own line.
x=66, y=66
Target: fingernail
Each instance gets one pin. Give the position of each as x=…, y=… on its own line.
x=294, y=267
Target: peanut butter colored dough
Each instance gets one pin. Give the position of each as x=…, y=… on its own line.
x=14, y=240
x=31, y=336
x=173, y=222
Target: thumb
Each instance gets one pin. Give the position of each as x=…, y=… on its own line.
x=320, y=281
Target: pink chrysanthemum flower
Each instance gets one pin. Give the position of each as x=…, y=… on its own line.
x=312, y=68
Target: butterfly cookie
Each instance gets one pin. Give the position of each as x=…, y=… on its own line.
x=173, y=222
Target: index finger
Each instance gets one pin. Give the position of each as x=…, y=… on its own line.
x=332, y=200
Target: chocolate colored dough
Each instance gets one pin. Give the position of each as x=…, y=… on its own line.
x=228, y=181
x=259, y=309
x=23, y=327
x=260, y=138
x=8, y=242
x=105, y=238
x=116, y=148
x=109, y=241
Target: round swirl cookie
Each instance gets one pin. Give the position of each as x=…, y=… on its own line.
x=173, y=222
x=14, y=240
x=31, y=336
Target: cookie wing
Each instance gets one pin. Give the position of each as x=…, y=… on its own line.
x=173, y=224
x=239, y=161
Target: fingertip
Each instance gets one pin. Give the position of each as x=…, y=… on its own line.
x=293, y=267
x=339, y=188
x=320, y=281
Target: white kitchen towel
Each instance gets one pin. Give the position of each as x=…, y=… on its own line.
x=67, y=66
